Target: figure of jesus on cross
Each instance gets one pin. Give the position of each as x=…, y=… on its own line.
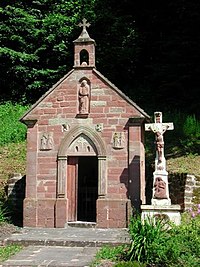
x=159, y=128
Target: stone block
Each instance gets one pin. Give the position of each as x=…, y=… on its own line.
x=61, y=212
x=30, y=213
x=113, y=213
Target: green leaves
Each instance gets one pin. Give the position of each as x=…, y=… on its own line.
x=34, y=45
x=148, y=238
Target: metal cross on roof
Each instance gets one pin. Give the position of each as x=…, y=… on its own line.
x=84, y=24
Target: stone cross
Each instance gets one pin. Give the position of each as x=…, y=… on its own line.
x=84, y=24
x=159, y=128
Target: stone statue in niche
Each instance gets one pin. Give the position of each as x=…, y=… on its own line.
x=159, y=188
x=83, y=97
x=118, y=140
x=46, y=142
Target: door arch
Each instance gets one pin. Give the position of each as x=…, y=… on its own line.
x=81, y=141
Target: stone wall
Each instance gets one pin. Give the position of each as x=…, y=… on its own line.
x=15, y=196
x=184, y=189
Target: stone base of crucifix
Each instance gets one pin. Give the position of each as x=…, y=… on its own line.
x=160, y=194
x=160, y=203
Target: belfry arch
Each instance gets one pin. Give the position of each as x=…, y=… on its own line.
x=68, y=148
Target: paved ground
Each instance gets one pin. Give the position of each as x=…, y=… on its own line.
x=56, y=256
x=72, y=246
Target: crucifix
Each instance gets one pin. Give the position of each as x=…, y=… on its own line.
x=159, y=128
x=160, y=182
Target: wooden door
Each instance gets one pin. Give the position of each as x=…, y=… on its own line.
x=72, y=184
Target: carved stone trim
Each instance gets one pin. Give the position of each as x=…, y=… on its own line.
x=82, y=130
x=62, y=177
x=82, y=145
x=102, y=176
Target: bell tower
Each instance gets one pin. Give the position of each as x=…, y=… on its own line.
x=84, y=48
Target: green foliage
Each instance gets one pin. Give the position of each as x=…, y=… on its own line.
x=158, y=243
x=11, y=129
x=147, y=237
x=191, y=135
x=7, y=251
x=36, y=38
x=129, y=264
x=186, y=236
x=3, y=213
x=111, y=253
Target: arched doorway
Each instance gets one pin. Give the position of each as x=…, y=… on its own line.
x=82, y=176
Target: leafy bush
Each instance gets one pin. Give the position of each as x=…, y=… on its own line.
x=11, y=130
x=186, y=236
x=157, y=244
x=149, y=239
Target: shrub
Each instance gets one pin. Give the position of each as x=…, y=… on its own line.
x=11, y=130
x=151, y=242
x=186, y=236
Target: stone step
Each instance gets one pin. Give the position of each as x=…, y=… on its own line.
x=81, y=224
x=61, y=243
x=69, y=237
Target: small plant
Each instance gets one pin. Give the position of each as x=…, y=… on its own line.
x=107, y=253
x=3, y=214
x=144, y=235
x=112, y=253
x=7, y=251
x=194, y=211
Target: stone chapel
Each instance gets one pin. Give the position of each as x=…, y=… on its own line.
x=85, y=149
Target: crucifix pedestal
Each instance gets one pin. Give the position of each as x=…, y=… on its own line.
x=160, y=202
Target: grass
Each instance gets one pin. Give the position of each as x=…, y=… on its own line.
x=12, y=159
x=185, y=164
x=11, y=130
x=8, y=251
